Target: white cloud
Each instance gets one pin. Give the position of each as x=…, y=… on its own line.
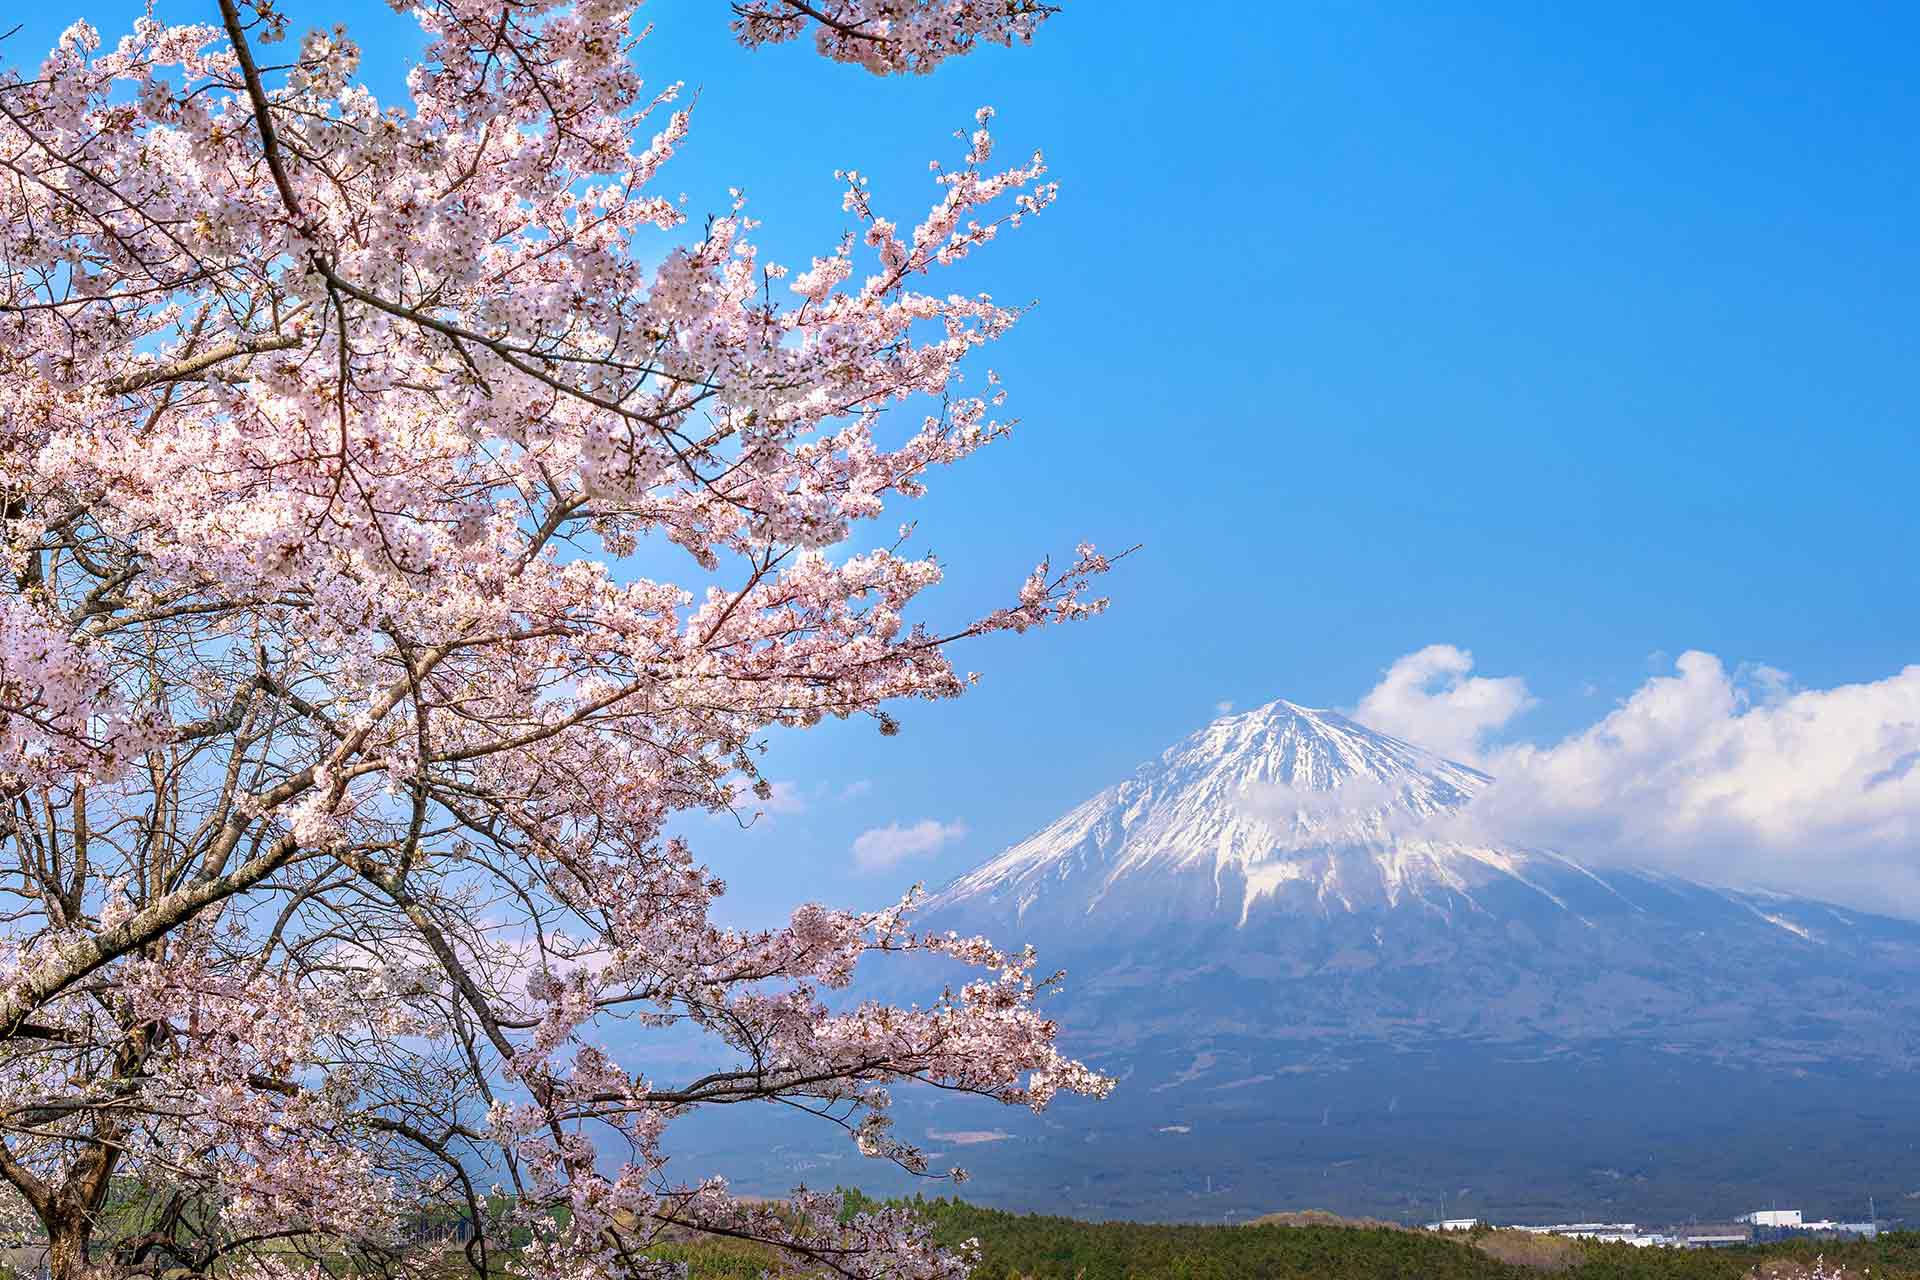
x=1770, y=683
x=1224, y=708
x=1733, y=778
x=786, y=797
x=1428, y=698
x=857, y=788
x=885, y=847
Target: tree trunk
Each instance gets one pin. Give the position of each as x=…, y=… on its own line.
x=67, y=1237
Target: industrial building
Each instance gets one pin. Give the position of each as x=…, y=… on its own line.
x=1759, y=1227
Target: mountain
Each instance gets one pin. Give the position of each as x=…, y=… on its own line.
x=1319, y=985
x=1283, y=804
x=1290, y=858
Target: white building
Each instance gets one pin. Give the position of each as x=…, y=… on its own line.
x=1591, y=1230
x=1773, y=1218
x=1454, y=1224
x=1713, y=1240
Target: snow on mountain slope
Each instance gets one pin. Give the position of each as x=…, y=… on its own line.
x=1287, y=876
x=1280, y=933
x=1279, y=803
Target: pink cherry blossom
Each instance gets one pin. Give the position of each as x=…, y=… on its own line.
x=887, y=36
x=344, y=705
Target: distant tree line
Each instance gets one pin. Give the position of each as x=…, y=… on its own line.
x=1041, y=1247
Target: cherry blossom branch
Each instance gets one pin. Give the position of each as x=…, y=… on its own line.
x=342, y=731
x=192, y=366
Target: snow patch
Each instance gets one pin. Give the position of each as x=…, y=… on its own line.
x=1783, y=923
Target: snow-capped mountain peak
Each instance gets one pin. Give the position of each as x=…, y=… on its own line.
x=1282, y=800
x=1305, y=749
x=1287, y=909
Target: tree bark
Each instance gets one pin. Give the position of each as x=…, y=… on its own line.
x=69, y=1231
x=70, y=1214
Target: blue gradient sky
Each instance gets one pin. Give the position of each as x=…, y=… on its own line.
x=1564, y=335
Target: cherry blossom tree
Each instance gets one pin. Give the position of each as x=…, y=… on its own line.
x=342, y=717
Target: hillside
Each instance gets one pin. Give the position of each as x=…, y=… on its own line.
x=1040, y=1247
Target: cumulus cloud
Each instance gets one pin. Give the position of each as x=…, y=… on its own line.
x=1430, y=698
x=1733, y=777
x=884, y=847
x=1223, y=707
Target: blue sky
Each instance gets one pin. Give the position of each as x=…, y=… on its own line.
x=1577, y=338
